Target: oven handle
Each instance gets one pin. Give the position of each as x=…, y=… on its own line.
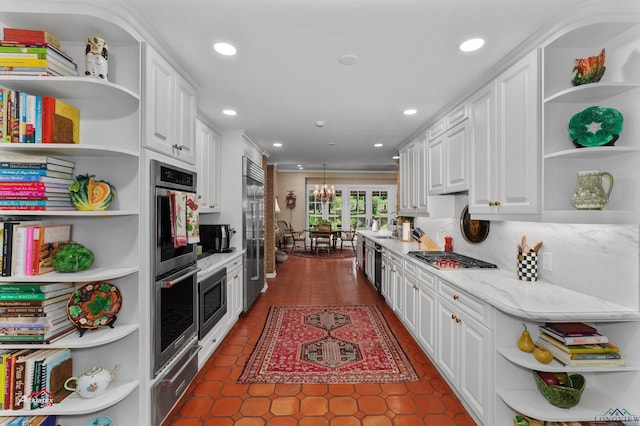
x=171, y=381
x=174, y=279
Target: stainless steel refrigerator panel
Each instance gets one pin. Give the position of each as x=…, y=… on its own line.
x=253, y=231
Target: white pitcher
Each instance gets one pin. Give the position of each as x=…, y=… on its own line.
x=589, y=193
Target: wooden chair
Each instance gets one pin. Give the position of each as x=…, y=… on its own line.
x=322, y=238
x=297, y=237
x=349, y=237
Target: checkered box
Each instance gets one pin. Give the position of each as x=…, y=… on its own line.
x=528, y=266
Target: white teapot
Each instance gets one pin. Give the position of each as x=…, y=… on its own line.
x=92, y=382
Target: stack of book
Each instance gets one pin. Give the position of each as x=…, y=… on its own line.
x=27, y=118
x=579, y=344
x=29, y=182
x=28, y=246
x=49, y=420
x=34, y=313
x=33, y=53
x=34, y=378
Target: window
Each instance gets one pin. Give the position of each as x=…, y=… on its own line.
x=364, y=202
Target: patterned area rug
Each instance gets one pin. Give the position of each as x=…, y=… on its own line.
x=324, y=254
x=327, y=344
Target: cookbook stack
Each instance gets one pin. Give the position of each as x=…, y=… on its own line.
x=33, y=53
x=33, y=182
x=579, y=344
x=34, y=313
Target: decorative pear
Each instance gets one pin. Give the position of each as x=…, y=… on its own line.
x=525, y=343
x=542, y=355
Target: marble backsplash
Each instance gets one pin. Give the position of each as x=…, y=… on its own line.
x=599, y=260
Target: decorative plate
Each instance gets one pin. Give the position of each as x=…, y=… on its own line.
x=474, y=231
x=595, y=126
x=94, y=305
x=100, y=421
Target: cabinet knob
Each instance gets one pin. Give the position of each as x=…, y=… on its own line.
x=235, y=276
x=383, y=267
x=497, y=203
x=178, y=147
x=415, y=287
x=455, y=318
x=456, y=297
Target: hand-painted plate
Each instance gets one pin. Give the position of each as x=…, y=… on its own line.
x=94, y=305
x=474, y=231
x=595, y=126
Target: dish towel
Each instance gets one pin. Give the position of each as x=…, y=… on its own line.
x=178, y=204
x=193, y=219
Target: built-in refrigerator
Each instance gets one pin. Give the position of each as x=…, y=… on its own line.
x=253, y=231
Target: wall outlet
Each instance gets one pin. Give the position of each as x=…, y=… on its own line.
x=547, y=261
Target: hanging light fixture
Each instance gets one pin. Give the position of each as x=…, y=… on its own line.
x=324, y=193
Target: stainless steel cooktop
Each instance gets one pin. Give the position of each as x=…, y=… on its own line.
x=450, y=260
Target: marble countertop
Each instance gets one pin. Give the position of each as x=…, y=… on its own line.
x=503, y=290
x=214, y=261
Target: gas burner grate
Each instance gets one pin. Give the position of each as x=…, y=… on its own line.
x=450, y=260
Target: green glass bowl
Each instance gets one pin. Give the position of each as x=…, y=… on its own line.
x=562, y=396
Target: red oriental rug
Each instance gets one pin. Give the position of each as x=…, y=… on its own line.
x=327, y=344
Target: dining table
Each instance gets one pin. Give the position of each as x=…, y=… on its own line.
x=334, y=234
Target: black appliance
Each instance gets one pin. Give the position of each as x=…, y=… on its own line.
x=215, y=238
x=449, y=260
x=377, y=280
x=212, y=300
x=174, y=295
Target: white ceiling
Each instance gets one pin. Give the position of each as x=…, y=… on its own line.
x=286, y=75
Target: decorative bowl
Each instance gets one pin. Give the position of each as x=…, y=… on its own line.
x=562, y=396
x=595, y=126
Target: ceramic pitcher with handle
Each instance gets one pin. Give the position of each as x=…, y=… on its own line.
x=590, y=193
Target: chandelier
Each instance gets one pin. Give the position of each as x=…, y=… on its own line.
x=324, y=193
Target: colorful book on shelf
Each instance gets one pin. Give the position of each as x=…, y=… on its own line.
x=32, y=303
x=49, y=336
x=570, y=328
x=35, y=296
x=35, y=172
x=13, y=165
x=592, y=348
x=575, y=338
x=60, y=121
x=7, y=243
x=25, y=309
x=19, y=378
x=52, y=238
x=567, y=359
x=39, y=161
x=25, y=35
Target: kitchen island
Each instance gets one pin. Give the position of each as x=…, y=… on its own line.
x=468, y=321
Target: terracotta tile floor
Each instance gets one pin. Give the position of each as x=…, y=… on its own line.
x=215, y=399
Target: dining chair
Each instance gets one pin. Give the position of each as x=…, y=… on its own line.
x=297, y=237
x=349, y=237
x=322, y=237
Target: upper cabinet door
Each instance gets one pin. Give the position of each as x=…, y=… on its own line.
x=482, y=152
x=170, y=105
x=519, y=154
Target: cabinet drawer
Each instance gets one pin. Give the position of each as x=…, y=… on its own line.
x=427, y=279
x=467, y=304
x=411, y=268
x=456, y=116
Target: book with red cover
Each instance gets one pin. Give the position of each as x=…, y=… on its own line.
x=60, y=121
x=23, y=35
x=568, y=328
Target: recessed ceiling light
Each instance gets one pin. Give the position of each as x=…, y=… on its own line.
x=331, y=144
x=395, y=157
x=349, y=59
x=225, y=49
x=277, y=144
x=472, y=44
x=378, y=145
x=229, y=112
x=320, y=123
x=410, y=111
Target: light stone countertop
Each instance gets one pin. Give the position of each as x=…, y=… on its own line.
x=503, y=290
x=213, y=262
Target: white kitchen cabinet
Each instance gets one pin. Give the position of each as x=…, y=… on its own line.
x=619, y=89
x=170, y=109
x=464, y=348
x=448, y=161
x=235, y=278
x=208, y=168
x=370, y=260
x=426, y=311
x=393, y=274
x=109, y=147
x=413, y=178
x=410, y=289
x=505, y=144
